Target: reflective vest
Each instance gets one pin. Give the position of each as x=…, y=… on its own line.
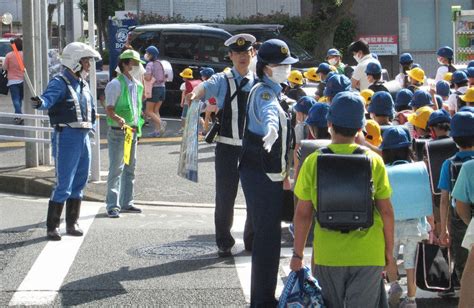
x=275, y=163
x=124, y=106
x=70, y=112
x=233, y=114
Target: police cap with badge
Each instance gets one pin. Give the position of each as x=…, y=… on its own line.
x=240, y=42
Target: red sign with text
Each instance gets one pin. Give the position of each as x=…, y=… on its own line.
x=382, y=45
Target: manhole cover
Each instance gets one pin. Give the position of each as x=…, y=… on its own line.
x=176, y=251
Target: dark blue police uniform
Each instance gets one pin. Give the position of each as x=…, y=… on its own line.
x=262, y=168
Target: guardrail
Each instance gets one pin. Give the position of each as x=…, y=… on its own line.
x=95, y=142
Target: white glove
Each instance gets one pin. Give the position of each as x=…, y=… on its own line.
x=270, y=139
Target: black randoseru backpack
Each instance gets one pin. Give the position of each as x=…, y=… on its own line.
x=344, y=190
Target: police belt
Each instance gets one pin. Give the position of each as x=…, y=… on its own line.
x=84, y=125
x=229, y=141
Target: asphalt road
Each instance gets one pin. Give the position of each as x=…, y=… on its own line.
x=157, y=163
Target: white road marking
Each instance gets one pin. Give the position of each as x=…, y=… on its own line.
x=243, y=264
x=43, y=281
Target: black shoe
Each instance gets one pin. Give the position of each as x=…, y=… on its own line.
x=53, y=219
x=73, y=209
x=131, y=209
x=224, y=252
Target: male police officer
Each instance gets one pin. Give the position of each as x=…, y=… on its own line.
x=71, y=111
x=231, y=90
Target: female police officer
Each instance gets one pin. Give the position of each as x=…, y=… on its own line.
x=263, y=167
x=71, y=111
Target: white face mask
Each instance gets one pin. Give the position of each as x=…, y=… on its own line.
x=357, y=58
x=440, y=61
x=332, y=61
x=147, y=57
x=280, y=73
x=135, y=72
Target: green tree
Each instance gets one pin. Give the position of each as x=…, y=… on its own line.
x=329, y=14
x=102, y=11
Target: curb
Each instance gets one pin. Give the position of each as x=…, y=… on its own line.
x=41, y=187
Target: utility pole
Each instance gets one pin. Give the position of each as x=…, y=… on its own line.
x=95, y=162
x=69, y=20
x=44, y=40
x=31, y=148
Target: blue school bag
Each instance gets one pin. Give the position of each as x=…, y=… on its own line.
x=411, y=192
x=301, y=290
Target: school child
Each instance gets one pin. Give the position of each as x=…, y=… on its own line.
x=295, y=80
x=312, y=78
x=406, y=60
x=463, y=192
x=211, y=104
x=460, y=87
x=452, y=226
x=324, y=71
x=335, y=83
x=381, y=108
x=443, y=89
x=411, y=227
x=302, y=108
x=420, y=99
x=416, y=78
x=374, y=77
x=402, y=108
x=445, y=58
x=367, y=96
x=333, y=57
x=317, y=126
x=470, y=76
x=372, y=133
x=468, y=98
x=439, y=123
x=349, y=264
x=419, y=120
x=189, y=83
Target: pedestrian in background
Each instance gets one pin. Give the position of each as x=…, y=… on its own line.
x=72, y=112
x=15, y=77
x=123, y=97
x=155, y=70
x=264, y=167
x=333, y=57
x=361, y=53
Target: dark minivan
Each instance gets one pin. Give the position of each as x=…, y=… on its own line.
x=201, y=45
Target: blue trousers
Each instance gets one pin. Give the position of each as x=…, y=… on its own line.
x=264, y=200
x=16, y=93
x=121, y=179
x=227, y=184
x=72, y=156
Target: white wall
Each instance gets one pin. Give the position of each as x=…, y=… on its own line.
x=215, y=9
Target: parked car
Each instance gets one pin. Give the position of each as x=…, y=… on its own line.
x=200, y=45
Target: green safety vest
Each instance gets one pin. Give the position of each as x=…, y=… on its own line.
x=124, y=106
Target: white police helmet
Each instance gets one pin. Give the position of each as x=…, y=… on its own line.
x=74, y=52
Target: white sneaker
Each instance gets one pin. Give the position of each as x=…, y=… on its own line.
x=163, y=127
x=394, y=295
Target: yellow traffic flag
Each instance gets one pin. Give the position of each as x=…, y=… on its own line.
x=127, y=145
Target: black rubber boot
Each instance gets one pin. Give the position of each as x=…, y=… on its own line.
x=52, y=221
x=73, y=208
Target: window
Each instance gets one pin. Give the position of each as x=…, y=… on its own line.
x=146, y=39
x=213, y=49
x=182, y=46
